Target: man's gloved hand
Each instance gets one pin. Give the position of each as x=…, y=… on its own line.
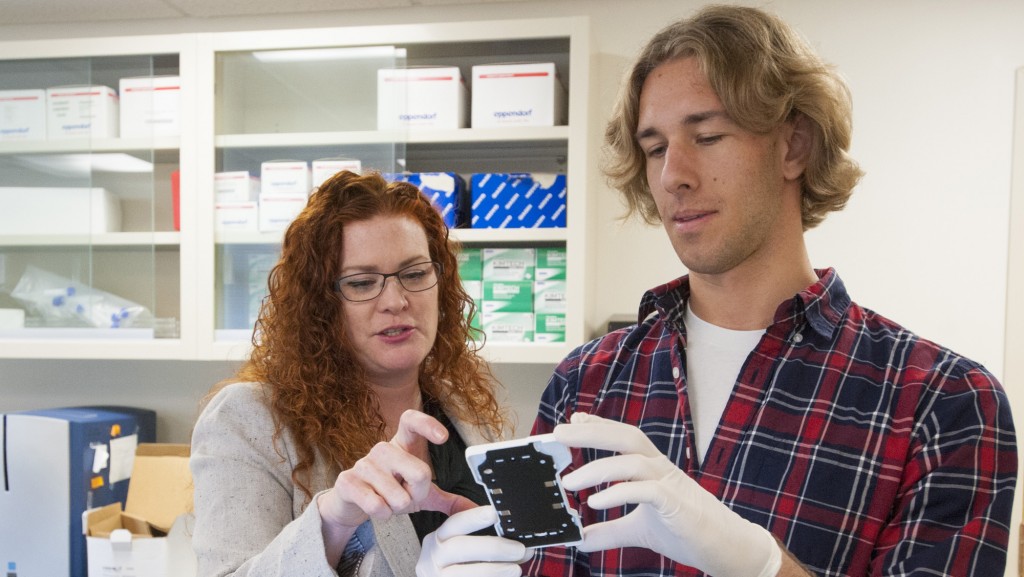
x=452, y=552
x=674, y=516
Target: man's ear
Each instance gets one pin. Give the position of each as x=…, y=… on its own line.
x=800, y=138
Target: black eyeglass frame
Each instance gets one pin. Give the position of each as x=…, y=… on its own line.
x=438, y=271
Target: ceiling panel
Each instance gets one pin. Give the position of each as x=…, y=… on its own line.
x=71, y=11
x=56, y=11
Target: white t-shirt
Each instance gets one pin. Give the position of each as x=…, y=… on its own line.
x=714, y=357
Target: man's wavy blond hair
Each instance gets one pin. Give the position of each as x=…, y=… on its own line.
x=765, y=74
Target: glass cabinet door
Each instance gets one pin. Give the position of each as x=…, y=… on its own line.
x=88, y=242
x=300, y=112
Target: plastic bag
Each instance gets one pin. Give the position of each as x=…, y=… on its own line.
x=60, y=301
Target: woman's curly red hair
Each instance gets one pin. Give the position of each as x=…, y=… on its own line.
x=317, y=390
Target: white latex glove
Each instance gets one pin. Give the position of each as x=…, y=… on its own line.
x=674, y=516
x=452, y=552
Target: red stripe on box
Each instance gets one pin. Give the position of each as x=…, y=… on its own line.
x=514, y=74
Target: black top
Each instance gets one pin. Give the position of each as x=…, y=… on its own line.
x=451, y=473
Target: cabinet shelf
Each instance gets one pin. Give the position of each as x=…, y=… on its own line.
x=87, y=145
x=357, y=137
x=110, y=239
x=464, y=235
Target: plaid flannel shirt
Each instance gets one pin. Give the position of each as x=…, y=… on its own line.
x=865, y=449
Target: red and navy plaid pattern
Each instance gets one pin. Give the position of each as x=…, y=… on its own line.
x=865, y=449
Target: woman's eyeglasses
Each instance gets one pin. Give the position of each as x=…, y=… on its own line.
x=366, y=286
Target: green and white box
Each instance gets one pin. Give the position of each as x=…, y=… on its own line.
x=550, y=264
x=506, y=264
x=550, y=328
x=475, y=289
x=508, y=296
x=508, y=327
x=471, y=264
x=549, y=297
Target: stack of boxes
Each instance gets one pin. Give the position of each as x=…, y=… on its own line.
x=520, y=292
x=271, y=202
x=143, y=107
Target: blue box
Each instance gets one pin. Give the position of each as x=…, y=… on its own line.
x=518, y=200
x=447, y=190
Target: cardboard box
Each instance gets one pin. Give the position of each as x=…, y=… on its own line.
x=508, y=264
x=277, y=211
x=38, y=210
x=471, y=264
x=549, y=297
x=551, y=263
x=517, y=95
x=151, y=537
x=550, y=328
x=81, y=112
x=150, y=106
x=421, y=98
x=325, y=168
x=446, y=190
x=236, y=216
x=235, y=186
x=508, y=327
x=285, y=177
x=22, y=115
x=518, y=200
x=508, y=296
x=475, y=289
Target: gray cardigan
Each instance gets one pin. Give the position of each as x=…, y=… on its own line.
x=252, y=521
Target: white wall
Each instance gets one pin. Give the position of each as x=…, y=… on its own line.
x=924, y=240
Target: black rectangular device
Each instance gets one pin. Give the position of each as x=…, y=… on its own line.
x=523, y=484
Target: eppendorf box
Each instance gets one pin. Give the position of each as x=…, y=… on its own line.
x=22, y=115
x=414, y=98
x=235, y=186
x=151, y=537
x=81, y=111
x=325, y=168
x=517, y=95
x=38, y=210
x=285, y=177
x=277, y=211
x=150, y=106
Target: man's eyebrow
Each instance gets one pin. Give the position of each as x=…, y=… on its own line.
x=689, y=120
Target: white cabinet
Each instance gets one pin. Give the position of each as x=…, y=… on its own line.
x=251, y=97
x=89, y=245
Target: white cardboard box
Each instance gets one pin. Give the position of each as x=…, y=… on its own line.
x=39, y=210
x=81, y=111
x=22, y=115
x=517, y=95
x=278, y=211
x=152, y=537
x=235, y=186
x=328, y=167
x=150, y=106
x=285, y=177
x=236, y=216
x=418, y=98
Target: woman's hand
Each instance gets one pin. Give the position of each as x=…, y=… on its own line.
x=389, y=480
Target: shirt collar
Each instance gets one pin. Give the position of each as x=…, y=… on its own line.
x=822, y=304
